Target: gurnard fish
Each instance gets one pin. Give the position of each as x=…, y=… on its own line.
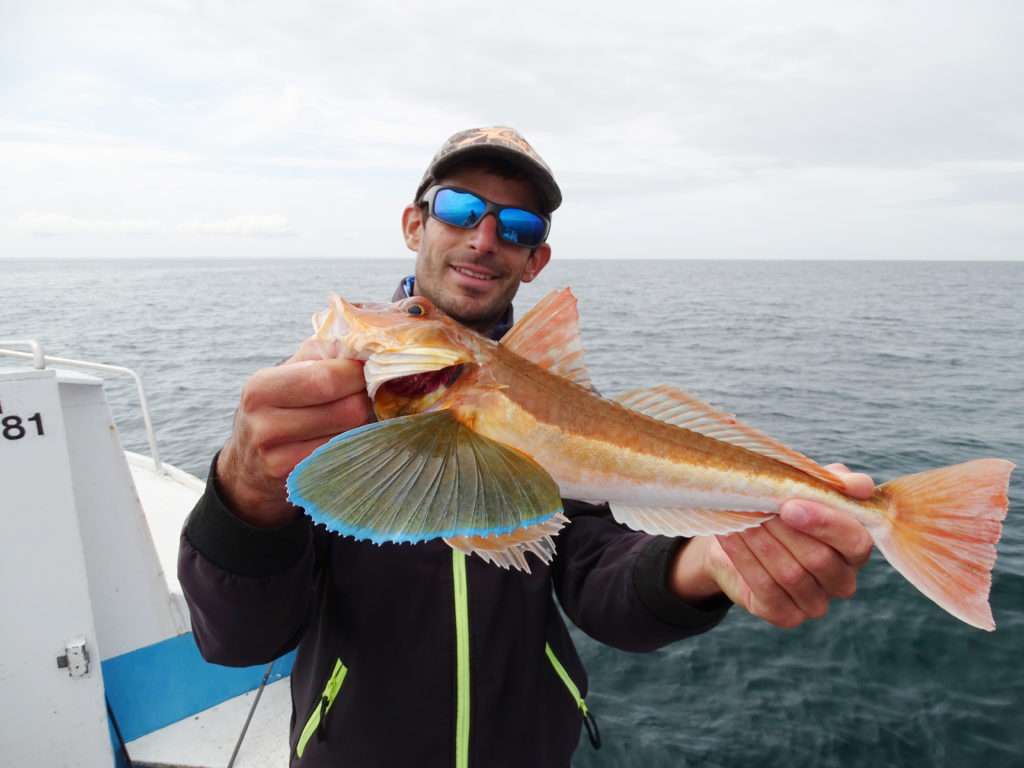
x=477, y=441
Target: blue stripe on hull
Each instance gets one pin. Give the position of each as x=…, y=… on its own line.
x=152, y=687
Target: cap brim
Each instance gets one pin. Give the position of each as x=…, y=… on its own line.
x=550, y=194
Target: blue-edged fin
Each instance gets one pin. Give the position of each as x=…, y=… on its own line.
x=421, y=477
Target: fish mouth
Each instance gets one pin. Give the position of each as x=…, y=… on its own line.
x=421, y=384
x=409, y=363
x=417, y=393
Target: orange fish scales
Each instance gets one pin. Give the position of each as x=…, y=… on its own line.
x=594, y=465
x=553, y=400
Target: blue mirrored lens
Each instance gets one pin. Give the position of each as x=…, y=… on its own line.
x=460, y=209
x=464, y=209
x=521, y=227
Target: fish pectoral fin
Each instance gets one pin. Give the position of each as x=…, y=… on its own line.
x=673, y=406
x=668, y=521
x=421, y=477
x=509, y=550
x=322, y=322
x=549, y=336
x=323, y=332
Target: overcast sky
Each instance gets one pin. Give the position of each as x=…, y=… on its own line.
x=676, y=129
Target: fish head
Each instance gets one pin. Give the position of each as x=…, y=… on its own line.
x=413, y=350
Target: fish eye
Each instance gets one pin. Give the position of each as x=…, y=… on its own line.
x=416, y=310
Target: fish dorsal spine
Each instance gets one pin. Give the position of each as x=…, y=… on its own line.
x=674, y=406
x=549, y=336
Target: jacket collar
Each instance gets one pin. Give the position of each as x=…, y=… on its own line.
x=405, y=289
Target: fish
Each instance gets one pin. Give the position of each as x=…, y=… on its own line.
x=476, y=442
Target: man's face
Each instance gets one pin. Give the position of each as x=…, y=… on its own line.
x=472, y=274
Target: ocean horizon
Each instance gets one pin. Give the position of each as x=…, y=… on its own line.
x=891, y=366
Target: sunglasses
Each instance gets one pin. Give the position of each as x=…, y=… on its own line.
x=465, y=210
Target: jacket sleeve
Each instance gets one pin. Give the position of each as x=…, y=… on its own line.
x=613, y=583
x=249, y=590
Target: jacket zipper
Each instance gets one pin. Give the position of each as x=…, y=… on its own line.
x=461, y=591
x=461, y=659
x=588, y=719
x=318, y=717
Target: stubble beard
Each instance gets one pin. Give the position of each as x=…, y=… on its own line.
x=465, y=309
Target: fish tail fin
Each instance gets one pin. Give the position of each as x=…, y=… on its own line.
x=940, y=532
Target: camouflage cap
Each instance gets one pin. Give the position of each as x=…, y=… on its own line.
x=498, y=141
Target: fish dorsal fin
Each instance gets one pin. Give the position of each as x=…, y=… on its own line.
x=549, y=336
x=422, y=477
x=674, y=406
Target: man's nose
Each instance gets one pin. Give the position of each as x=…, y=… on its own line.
x=485, y=234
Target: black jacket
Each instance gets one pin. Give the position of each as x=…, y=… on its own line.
x=376, y=681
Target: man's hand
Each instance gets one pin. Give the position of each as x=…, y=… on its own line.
x=786, y=570
x=285, y=413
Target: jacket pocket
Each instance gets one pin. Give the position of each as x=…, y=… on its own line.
x=317, y=720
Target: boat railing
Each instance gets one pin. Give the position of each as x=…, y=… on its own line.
x=41, y=361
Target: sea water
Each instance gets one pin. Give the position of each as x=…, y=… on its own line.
x=890, y=367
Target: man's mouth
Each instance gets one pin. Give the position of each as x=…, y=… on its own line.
x=476, y=274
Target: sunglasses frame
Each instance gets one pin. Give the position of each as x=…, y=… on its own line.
x=489, y=207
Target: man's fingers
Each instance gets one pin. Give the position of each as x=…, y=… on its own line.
x=836, y=576
x=281, y=460
x=766, y=598
x=315, y=349
x=288, y=425
x=725, y=575
x=787, y=571
x=857, y=484
x=300, y=384
x=830, y=526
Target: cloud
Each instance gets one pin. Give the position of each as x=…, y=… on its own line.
x=802, y=118
x=993, y=183
x=48, y=224
x=246, y=225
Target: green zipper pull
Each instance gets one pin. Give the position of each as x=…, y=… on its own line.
x=317, y=722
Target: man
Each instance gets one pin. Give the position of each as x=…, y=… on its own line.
x=416, y=655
